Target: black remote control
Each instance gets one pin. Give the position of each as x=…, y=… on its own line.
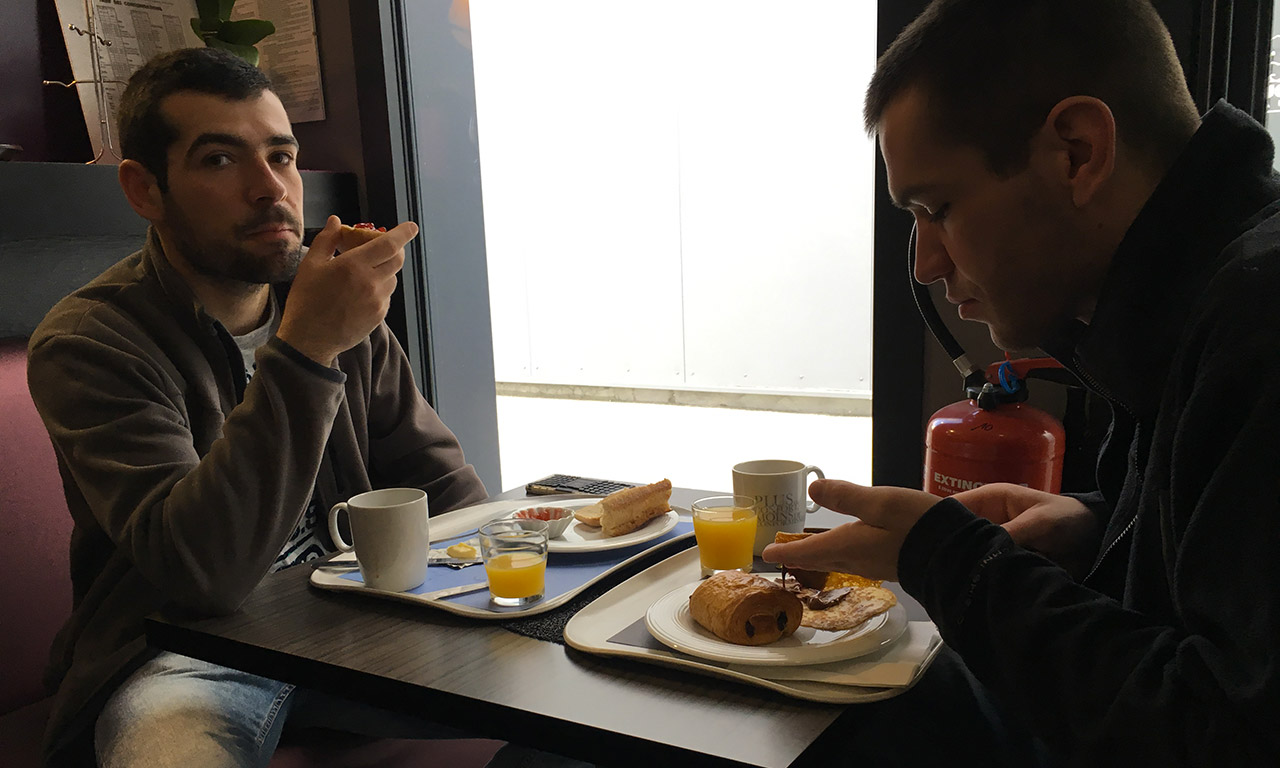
x=574, y=484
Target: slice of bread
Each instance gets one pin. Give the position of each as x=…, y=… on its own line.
x=589, y=515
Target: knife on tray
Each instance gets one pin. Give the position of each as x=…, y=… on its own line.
x=461, y=589
x=351, y=565
x=451, y=591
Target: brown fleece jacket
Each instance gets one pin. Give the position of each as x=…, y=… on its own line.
x=185, y=483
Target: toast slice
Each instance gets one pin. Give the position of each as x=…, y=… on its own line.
x=589, y=515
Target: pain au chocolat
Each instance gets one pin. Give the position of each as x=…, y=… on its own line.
x=626, y=510
x=745, y=609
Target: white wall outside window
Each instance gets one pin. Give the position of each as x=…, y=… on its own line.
x=1273, y=81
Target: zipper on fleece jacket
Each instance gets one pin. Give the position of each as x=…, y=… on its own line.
x=1093, y=384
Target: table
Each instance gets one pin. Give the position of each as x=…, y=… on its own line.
x=495, y=683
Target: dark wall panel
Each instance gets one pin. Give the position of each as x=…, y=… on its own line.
x=64, y=223
x=897, y=347
x=45, y=120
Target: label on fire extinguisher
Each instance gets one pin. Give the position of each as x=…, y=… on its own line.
x=946, y=485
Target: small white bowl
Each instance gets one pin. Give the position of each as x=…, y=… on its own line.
x=556, y=518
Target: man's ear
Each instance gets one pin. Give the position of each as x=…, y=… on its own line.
x=1080, y=133
x=142, y=190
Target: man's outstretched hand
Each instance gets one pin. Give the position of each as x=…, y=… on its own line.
x=868, y=546
x=1058, y=527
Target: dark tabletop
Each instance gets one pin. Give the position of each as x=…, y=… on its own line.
x=496, y=683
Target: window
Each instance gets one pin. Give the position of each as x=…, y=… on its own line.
x=1273, y=81
x=678, y=203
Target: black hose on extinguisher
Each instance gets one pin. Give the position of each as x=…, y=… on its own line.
x=973, y=375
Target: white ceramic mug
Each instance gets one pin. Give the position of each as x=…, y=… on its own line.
x=389, y=533
x=781, y=490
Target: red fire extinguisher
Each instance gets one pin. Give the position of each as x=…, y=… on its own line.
x=995, y=436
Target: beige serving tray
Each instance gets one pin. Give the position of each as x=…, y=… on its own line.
x=600, y=627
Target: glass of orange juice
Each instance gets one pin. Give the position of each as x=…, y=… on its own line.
x=515, y=560
x=725, y=527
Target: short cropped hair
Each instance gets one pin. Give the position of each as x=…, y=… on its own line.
x=145, y=136
x=991, y=71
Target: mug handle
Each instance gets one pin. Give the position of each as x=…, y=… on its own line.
x=811, y=506
x=334, y=533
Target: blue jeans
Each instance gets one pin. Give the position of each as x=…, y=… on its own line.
x=176, y=710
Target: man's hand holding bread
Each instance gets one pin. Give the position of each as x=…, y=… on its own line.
x=343, y=288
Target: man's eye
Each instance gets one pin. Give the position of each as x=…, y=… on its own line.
x=217, y=160
x=282, y=158
x=938, y=215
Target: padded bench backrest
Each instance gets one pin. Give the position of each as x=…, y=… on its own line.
x=35, y=536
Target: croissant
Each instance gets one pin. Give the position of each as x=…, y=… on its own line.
x=744, y=609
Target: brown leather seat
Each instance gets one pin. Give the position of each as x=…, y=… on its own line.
x=35, y=599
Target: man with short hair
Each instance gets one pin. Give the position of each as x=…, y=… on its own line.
x=1069, y=197
x=209, y=398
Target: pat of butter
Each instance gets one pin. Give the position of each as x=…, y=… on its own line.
x=462, y=551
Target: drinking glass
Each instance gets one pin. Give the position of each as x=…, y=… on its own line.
x=515, y=560
x=725, y=527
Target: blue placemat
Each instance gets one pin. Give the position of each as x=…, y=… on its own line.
x=566, y=571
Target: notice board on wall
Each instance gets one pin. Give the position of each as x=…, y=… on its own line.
x=108, y=40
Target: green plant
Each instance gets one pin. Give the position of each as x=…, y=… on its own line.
x=215, y=27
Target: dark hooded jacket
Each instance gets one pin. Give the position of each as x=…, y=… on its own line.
x=1168, y=652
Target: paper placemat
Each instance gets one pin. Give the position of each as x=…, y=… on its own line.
x=613, y=625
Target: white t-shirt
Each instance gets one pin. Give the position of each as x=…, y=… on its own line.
x=308, y=541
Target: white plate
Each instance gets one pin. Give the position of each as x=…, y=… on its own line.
x=670, y=621
x=579, y=537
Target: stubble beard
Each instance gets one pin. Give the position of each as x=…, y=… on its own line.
x=1024, y=331
x=233, y=265
x=1013, y=344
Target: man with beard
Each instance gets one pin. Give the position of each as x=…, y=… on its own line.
x=209, y=398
